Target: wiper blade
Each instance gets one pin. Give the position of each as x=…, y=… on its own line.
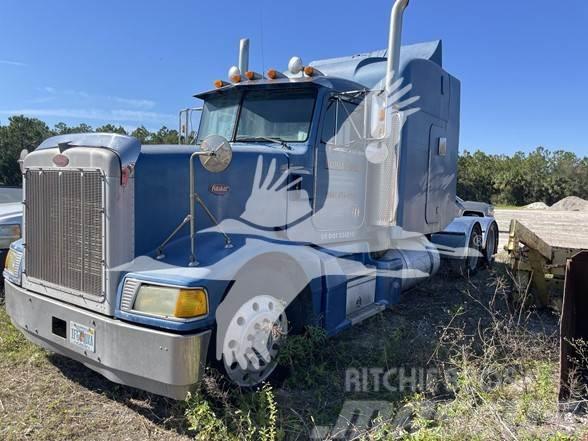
x=264, y=138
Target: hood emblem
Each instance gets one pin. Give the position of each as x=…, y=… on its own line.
x=60, y=160
x=219, y=189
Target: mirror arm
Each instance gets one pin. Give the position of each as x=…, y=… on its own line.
x=160, y=248
x=195, y=197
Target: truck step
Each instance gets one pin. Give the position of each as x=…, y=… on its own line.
x=365, y=313
x=354, y=269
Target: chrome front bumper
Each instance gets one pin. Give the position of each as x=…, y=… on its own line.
x=159, y=362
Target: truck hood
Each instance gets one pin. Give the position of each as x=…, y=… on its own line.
x=11, y=213
x=162, y=182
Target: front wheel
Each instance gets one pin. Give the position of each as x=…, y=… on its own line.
x=253, y=339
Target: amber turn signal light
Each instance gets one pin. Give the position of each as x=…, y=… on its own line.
x=220, y=83
x=272, y=74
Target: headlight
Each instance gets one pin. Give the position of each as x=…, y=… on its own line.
x=8, y=234
x=12, y=270
x=165, y=301
x=10, y=258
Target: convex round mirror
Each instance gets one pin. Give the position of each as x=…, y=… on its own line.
x=220, y=151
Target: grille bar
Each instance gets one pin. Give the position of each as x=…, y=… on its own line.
x=64, y=229
x=128, y=294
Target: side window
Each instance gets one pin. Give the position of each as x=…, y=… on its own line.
x=343, y=124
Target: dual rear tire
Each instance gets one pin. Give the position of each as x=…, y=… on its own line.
x=477, y=253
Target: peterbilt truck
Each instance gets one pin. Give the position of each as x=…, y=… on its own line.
x=309, y=197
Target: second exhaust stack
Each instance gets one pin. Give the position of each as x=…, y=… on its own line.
x=244, y=55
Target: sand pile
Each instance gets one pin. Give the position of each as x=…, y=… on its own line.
x=537, y=206
x=571, y=203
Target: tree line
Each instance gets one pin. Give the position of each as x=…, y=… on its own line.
x=27, y=133
x=523, y=178
x=519, y=179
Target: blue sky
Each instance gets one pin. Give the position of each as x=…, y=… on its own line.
x=523, y=65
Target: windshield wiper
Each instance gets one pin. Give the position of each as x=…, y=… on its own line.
x=283, y=143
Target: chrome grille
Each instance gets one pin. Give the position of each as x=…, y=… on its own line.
x=64, y=223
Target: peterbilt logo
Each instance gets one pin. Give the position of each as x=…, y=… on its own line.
x=219, y=189
x=60, y=160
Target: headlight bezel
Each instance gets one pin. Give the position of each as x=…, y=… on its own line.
x=144, y=293
x=14, y=272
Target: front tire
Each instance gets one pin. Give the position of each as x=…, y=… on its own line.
x=254, y=336
x=268, y=301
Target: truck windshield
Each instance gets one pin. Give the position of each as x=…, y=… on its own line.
x=264, y=115
x=218, y=116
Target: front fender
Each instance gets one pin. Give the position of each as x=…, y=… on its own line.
x=225, y=297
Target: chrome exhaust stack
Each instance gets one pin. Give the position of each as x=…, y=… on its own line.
x=394, y=43
x=386, y=128
x=244, y=55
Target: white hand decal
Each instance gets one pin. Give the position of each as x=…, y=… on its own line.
x=268, y=203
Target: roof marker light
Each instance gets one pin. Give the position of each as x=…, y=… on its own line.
x=250, y=75
x=309, y=71
x=272, y=74
x=220, y=83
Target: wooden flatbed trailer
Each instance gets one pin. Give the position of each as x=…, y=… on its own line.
x=547, y=253
x=540, y=243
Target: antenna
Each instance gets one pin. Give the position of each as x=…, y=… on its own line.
x=261, y=34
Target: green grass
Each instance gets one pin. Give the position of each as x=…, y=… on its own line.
x=14, y=347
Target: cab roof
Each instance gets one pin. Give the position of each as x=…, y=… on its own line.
x=339, y=84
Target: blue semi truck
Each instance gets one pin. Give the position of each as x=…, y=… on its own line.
x=313, y=196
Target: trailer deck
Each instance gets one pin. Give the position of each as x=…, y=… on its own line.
x=565, y=229
x=539, y=244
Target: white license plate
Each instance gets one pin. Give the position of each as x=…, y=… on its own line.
x=82, y=336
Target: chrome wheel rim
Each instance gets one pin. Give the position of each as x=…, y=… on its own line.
x=474, y=251
x=253, y=339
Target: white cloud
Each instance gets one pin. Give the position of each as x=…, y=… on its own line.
x=12, y=63
x=41, y=100
x=138, y=103
x=118, y=115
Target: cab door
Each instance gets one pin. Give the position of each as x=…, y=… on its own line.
x=340, y=168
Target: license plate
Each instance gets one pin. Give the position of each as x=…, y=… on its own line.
x=82, y=336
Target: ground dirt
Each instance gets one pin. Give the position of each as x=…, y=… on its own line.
x=571, y=203
x=536, y=206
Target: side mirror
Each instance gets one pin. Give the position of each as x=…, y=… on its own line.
x=23, y=155
x=220, y=153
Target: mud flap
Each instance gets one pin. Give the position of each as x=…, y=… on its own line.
x=574, y=327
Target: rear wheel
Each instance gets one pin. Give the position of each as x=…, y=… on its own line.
x=491, y=244
x=470, y=263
